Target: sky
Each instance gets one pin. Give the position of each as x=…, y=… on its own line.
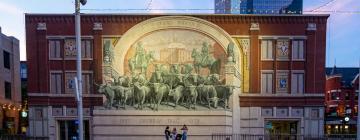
x=343, y=42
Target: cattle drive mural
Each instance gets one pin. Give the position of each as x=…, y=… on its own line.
x=163, y=77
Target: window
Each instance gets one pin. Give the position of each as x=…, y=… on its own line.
x=297, y=83
x=355, y=110
x=7, y=90
x=56, y=83
x=266, y=50
x=54, y=49
x=347, y=96
x=334, y=96
x=86, y=49
x=314, y=113
x=23, y=71
x=266, y=82
x=282, y=50
x=39, y=113
x=6, y=59
x=70, y=48
x=87, y=83
x=70, y=82
x=282, y=82
x=356, y=95
x=298, y=50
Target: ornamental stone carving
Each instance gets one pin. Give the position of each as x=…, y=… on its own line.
x=97, y=26
x=41, y=26
x=254, y=26
x=245, y=44
x=311, y=27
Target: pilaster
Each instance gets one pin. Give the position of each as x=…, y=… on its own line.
x=310, y=73
x=98, y=52
x=254, y=58
x=42, y=59
x=232, y=75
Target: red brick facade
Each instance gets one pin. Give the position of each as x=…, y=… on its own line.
x=236, y=25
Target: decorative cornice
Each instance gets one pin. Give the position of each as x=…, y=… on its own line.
x=41, y=26
x=238, y=19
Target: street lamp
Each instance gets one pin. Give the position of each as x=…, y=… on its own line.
x=358, y=112
x=78, y=80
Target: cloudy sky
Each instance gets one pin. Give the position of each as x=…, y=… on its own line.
x=343, y=41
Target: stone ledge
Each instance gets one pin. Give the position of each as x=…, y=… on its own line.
x=98, y=112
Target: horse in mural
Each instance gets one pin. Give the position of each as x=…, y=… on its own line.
x=203, y=59
x=141, y=60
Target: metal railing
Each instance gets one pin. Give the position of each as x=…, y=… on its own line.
x=21, y=137
x=282, y=137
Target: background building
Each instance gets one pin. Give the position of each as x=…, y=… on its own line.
x=24, y=112
x=10, y=92
x=282, y=78
x=341, y=97
x=258, y=6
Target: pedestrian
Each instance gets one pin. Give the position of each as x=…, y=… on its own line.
x=173, y=134
x=167, y=133
x=184, y=130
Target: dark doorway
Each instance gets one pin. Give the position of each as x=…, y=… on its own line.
x=68, y=130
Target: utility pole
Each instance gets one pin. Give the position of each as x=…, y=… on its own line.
x=78, y=80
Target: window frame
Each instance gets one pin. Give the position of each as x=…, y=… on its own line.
x=298, y=50
x=267, y=58
x=297, y=73
x=61, y=82
x=271, y=87
x=60, y=43
x=7, y=56
x=7, y=90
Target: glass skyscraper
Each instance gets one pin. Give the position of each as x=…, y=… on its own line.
x=258, y=6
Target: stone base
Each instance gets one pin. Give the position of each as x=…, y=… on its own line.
x=150, y=125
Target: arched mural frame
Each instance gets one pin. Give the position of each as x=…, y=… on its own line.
x=171, y=22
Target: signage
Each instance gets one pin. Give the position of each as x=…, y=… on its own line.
x=24, y=114
x=268, y=125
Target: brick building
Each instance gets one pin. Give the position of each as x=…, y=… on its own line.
x=341, y=97
x=281, y=64
x=10, y=93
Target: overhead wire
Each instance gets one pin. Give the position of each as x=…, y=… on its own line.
x=322, y=6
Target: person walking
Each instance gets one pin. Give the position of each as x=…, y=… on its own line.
x=173, y=134
x=167, y=133
x=184, y=130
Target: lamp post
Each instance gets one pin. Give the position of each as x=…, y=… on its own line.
x=358, y=112
x=78, y=79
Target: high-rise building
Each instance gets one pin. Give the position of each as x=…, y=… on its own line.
x=258, y=6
